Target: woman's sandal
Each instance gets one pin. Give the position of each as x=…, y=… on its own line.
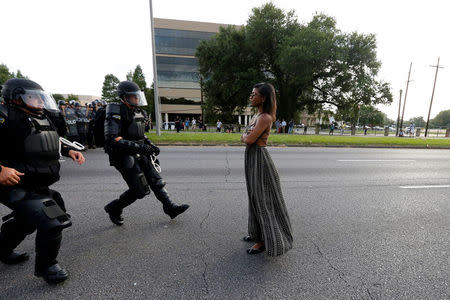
x=248, y=238
x=254, y=250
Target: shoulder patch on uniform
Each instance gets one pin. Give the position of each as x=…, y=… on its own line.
x=2, y=120
x=116, y=117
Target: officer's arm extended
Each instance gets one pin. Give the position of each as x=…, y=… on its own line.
x=114, y=141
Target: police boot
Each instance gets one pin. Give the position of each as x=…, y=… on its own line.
x=54, y=274
x=114, y=212
x=10, y=237
x=47, y=248
x=170, y=208
x=14, y=258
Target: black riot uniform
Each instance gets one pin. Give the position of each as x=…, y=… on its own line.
x=71, y=120
x=132, y=154
x=81, y=122
x=32, y=147
x=91, y=124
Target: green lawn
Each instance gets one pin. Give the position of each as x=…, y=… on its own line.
x=199, y=138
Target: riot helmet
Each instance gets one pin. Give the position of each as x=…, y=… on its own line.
x=77, y=104
x=130, y=93
x=32, y=96
x=103, y=102
x=61, y=102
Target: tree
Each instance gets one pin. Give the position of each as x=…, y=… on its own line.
x=20, y=75
x=229, y=73
x=4, y=73
x=58, y=97
x=139, y=78
x=129, y=76
x=418, y=121
x=109, y=89
x=369, y=115
x=312, y=66
x=150, y=108
x=442, y=119
x=72, y=97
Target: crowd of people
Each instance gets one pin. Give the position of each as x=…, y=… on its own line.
x=189, y=124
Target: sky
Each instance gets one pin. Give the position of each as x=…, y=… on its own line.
x=69, y=46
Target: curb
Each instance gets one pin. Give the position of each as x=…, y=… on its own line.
x=305, y=146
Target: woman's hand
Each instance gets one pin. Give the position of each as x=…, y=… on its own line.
x=9, y=176
x=76, y=156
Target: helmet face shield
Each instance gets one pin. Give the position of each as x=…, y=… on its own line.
x=136, y=98
x=37, y=100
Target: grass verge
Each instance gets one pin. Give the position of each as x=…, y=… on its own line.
x=199, y=138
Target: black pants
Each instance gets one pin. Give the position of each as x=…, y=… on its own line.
x=140, y=175
x=24, y=222
x=82, y=138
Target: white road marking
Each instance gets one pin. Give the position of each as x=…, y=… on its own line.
x=424, y=186
x=375, y=160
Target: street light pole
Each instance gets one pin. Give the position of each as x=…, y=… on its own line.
x=406, y=94
x=432, y=95
x=398, y=117
x=155, y=75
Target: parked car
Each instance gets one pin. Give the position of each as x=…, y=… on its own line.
x=168, y=125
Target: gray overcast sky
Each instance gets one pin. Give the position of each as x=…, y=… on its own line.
x=69, y=46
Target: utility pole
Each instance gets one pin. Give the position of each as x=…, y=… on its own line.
x=406, y=94
x=155, y=75
x=432, y=95
x=398, y=117
x=201, y=95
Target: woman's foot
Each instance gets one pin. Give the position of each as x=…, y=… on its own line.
x=248, y=238
x=256, y=248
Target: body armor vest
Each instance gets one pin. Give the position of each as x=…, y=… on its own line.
x=40, y=161
x=71, y=120
x=136, y=129
x=82, y=120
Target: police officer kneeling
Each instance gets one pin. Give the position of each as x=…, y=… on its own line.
x=29, y=163
x=130, y=152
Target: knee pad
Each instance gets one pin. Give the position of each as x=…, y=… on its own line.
x=58, y=199
x=43, y=213
x=140, y=186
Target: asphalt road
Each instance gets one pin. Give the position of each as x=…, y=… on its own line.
x=368, y=224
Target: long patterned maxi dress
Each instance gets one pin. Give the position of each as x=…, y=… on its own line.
x=268, y=220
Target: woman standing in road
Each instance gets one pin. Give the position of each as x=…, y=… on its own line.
x=268, y=221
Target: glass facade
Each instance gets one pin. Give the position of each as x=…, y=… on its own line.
x=179, y=42
x=177, y=72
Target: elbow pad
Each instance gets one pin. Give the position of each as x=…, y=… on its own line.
x=112, y=120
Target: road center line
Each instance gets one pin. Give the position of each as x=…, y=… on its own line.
x=424, y=186
x=375, y=160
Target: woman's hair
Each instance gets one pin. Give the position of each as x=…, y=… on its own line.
x=267, y=91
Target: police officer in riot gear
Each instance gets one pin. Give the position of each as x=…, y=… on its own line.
x=90, y=131
x=81, y=122
x=57, y=115
x=62, y=105
x=71, y=121
x=28, y=166
x=130, y=152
